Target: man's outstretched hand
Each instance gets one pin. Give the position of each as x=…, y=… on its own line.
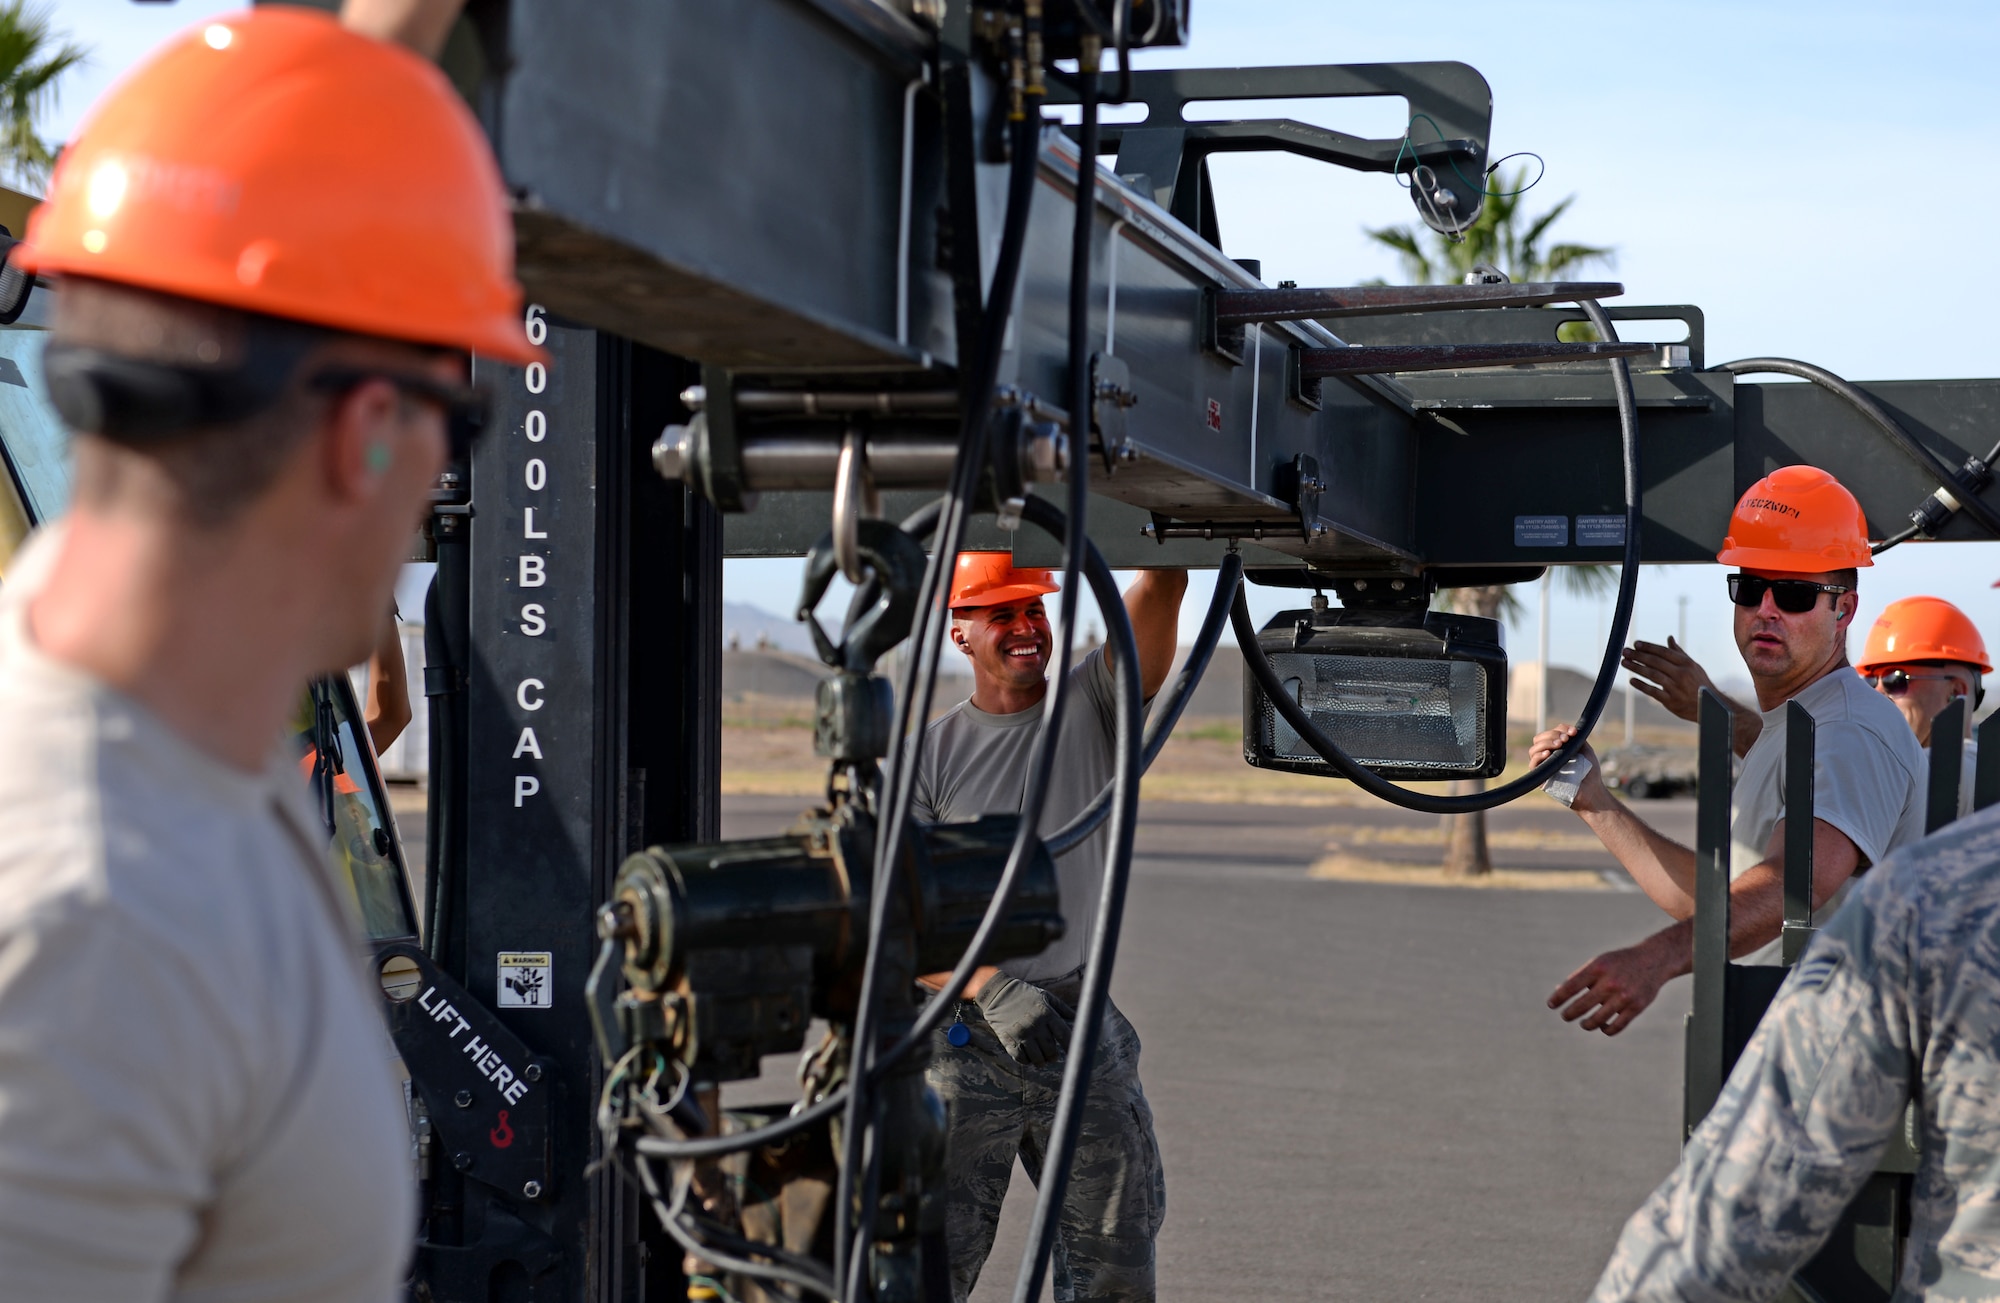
x=1611, y=990
x=1676, y=677
x=1676, y=683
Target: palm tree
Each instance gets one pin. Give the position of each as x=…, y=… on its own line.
x=32, y=59
x=1504, y=238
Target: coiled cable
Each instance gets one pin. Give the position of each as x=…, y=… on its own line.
x=1367, y=780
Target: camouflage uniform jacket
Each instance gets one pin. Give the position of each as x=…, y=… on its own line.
x=1898, y=996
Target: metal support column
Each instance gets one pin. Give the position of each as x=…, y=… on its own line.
x=1947, y=766
x=1705, y=1067
x=1986, y=770
x=1800, y=733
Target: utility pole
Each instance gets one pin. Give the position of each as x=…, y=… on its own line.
x=1684, y=620
x=1542, y=650
x=1631, y=704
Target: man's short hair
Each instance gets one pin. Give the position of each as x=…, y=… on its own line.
x=1850, y=579
x=215, y=468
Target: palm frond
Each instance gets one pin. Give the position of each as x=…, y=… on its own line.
x=1587, y=581
x=32, y=61
x=1503, y=236
x=1532, y=237
x=1565, y=257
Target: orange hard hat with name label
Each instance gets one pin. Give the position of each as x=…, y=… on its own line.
x=1923, y=629
x=275, y=162
x=1797, y=518
x=992, y=579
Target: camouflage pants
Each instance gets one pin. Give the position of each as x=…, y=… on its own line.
x=1117, y=1191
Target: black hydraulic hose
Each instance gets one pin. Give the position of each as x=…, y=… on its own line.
x=1347, y=767
x=720, y=1146
x=1161, y=726
x=933, y=1012
x=1926, y=460
x=1096, y=993
x=1042, y=756
x=870, y=1065
x=906, y=744
x=921, y=672
x=781, y=1269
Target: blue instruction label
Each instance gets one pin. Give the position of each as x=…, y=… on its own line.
x=1600, y=531
x=1541, y=531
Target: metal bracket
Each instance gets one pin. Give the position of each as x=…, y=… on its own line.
x=1452, y=99
x=486, y=1091
x=719, y=439
x=1110, y=394
x=1300, y=388
x=1222, y=338
x=1163, y=530
x=1300, y=484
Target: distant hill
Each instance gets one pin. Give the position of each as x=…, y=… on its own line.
x=1567, y=690
x=769, y=674
x=748, y=627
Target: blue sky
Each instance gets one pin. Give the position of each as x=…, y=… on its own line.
x=1800, y=171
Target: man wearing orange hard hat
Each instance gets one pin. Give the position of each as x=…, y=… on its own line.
x=275, y=243
x=1799, y=540
x=998, y=1065
x=1923, y=653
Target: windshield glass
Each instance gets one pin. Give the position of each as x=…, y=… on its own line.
x=328, y=738
x=37, y=445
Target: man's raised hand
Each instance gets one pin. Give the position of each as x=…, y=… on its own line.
x=1676, y=677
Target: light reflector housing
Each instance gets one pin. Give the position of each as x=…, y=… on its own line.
x=1411, y=694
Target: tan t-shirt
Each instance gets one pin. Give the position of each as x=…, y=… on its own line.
x=976, y=763
x=197, y=1098
x=1869, y=779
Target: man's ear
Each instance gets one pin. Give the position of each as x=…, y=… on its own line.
x=360, y=429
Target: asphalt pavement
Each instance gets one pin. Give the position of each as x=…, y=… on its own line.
x=1359, y=1090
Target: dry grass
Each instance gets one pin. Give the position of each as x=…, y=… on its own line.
x=1342, y=867
x=767, y=751
x=1515, y=839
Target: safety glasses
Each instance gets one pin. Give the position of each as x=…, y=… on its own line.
x=1796, y=596
x=465, y=406
x=1897, y=682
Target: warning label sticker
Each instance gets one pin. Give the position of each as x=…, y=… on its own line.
x=1541, y=531
x=1600, y=531
x=525, y=980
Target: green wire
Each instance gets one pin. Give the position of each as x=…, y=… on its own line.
x=714, y=1284
x=1395, y=168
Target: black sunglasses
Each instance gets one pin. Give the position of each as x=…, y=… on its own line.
x=1897, y=682
x=466, y=407
x=1794, y=595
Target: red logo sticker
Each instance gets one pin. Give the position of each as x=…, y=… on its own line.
x=1215, y=416
x=502, y=1135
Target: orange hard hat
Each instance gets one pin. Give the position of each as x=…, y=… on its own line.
x=991, y=579
x=1923, y=629
x=1797, y=518
x=275, y=162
